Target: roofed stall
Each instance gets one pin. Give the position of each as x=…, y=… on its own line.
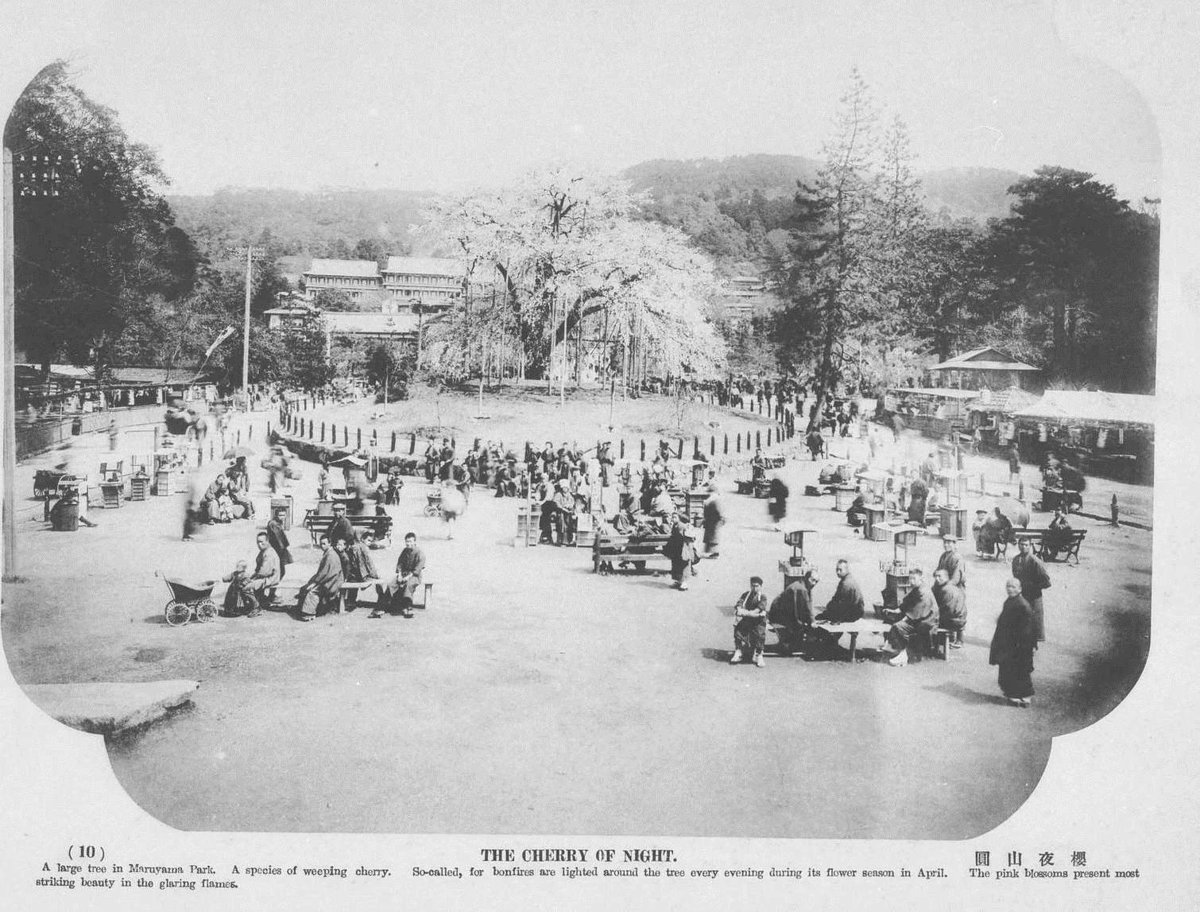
x=1109, y=434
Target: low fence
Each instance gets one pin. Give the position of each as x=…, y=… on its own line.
x=718, y=449
x=47, y=433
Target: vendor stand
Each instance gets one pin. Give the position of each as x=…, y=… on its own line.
x=904, y=536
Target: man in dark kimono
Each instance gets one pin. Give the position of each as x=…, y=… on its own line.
x=816, y=444
x=750, y=628
x=713, y=520
x=340, y=529
x=278, y=539
x=1033, y=577
x=916, y=618
x=951, y=561
x=681, y=551
x=1012, y=646
x=563, y=515
x=758, y=466
x=777, y=505
x=432, y=461
x=918, y=497
x=357, y=567
x=847, y=603
x=409, y=567
x=323, y=587
x=952, y=606
x=791, y=614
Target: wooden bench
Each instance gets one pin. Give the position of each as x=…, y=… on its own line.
x=319, y=525
x=610, y=549
x=1037, y=537
x=853, y=629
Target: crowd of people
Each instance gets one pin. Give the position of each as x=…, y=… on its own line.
x=563, y=480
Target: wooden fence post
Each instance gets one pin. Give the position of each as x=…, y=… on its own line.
x=358, y=438
x=680, y=452
x=712, y=445
x=393, y=441
x=643, y=451
x=726, y=452
x=412, y=444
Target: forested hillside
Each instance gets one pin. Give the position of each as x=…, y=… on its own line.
x=326, y=223
x=730, y=206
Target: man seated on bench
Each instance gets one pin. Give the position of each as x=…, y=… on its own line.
x=399, y=590
x=320, y=594
x=997, y=529
x=341, y=529
x=952, y=606
x=1058, y=537
x=847, y=603
x=357, y=567
x=791, y=614
x=846, y=606
x=267, y=572
x=750, y=626
x=915, y=619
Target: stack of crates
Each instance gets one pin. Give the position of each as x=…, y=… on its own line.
x=528, y=525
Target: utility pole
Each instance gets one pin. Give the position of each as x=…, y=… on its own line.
x=252, y=253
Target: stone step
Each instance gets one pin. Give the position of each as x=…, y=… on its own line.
x=105, y=708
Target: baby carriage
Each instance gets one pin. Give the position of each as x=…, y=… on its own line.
x=433, y=503
x=188, y=601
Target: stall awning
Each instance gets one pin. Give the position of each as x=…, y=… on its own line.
x=1088, y=407
x=1006, y=401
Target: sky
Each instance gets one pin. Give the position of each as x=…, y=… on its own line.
x=449, y=95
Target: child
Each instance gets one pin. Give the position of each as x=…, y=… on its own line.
x=239, y=598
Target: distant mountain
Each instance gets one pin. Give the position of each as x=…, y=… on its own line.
x=322, y=223
x=731, y=207
x=976, y=193
x=723, y=179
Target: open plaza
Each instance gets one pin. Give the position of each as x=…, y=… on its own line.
x=533, y=695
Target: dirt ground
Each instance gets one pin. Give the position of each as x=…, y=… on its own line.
x=535, y=697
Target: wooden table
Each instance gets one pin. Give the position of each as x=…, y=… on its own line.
x=854, y=628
